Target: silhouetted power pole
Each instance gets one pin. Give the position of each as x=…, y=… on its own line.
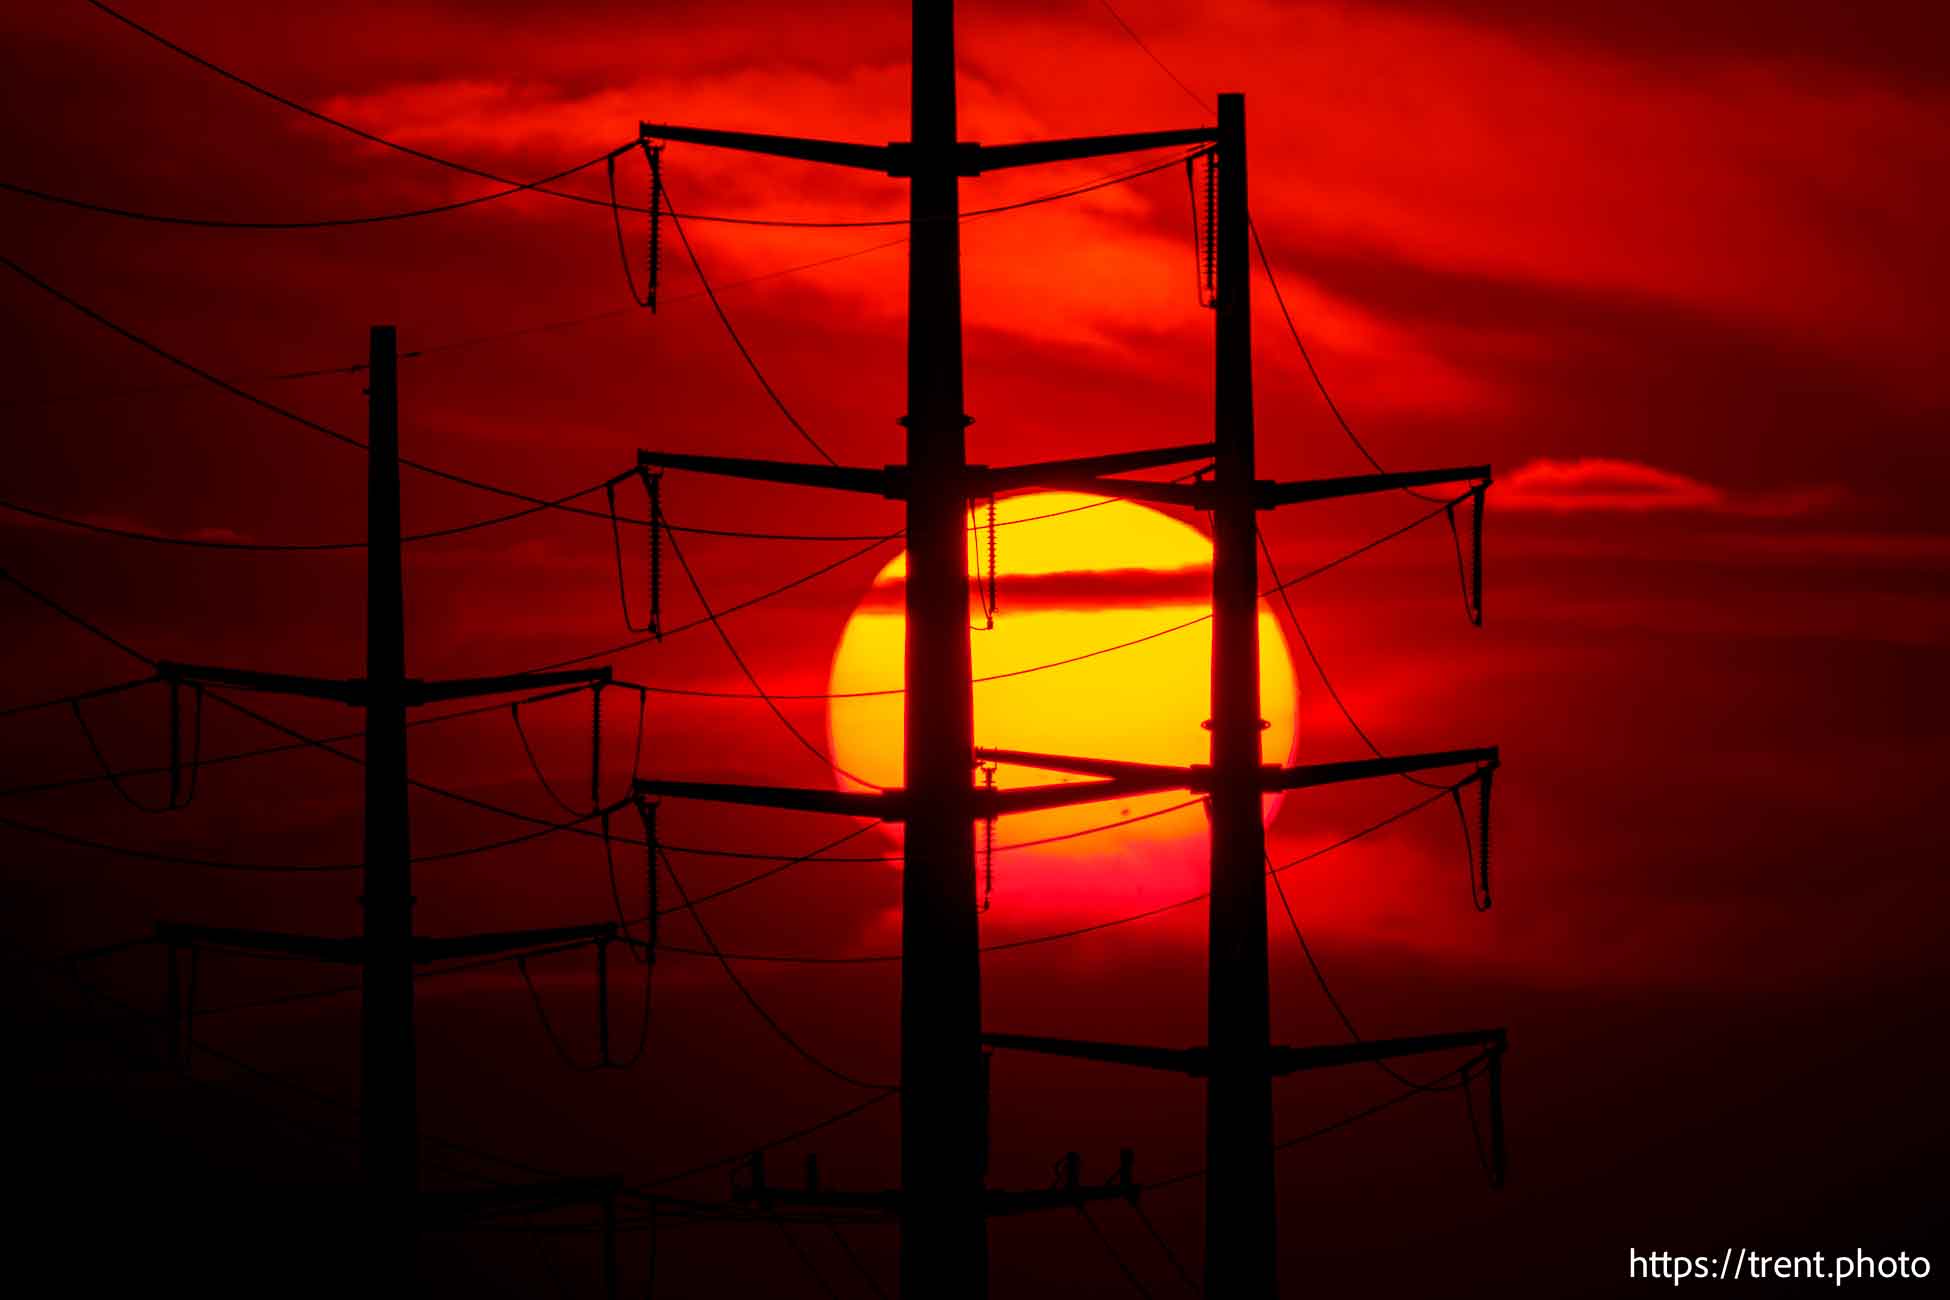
x=1240, y=1060
x=942, y=1201
x=387, y=951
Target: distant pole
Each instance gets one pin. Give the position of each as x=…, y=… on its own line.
x=944, y=1237
x=1239, y=1190
x=388, y=1086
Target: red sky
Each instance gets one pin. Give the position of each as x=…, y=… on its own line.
x=1673, y=270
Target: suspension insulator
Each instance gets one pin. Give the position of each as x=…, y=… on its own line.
x=1477, y=500
x=654, y=154
x=1209, y=243
x=988, y=839
x=991, y=561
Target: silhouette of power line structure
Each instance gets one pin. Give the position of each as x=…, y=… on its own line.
x=943, y=1201
x=387, y=950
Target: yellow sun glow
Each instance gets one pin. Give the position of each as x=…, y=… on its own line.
x=1073, y=581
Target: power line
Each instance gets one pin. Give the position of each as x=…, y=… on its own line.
x=1320, y=669
x=750, y=361
x=1171, y=1256
x=308, y=111
x=758, y=688
x=868, y=959
x=1340, y=1012
x=537, y=503
x=8, y=576
x=1116, y=1257
x=304, y=742
x=222, y=544
x=1345, y=1121
x=1265, y=263
x=1273, y=282
x=576, y=826
x=816, y=855
x=96, y=693
x=522, y=331
x=1129, y=31
x=769, y=1144
x=771, y=1022
x=316, y=223
x=539, y=186
x=1279, y=587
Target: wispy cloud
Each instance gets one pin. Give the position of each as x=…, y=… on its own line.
x=1596, y=483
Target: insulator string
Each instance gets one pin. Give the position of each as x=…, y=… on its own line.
x=1477, y=501
x=654, y=155
x=992, y=548
x=1210, y=248
x=988, y=840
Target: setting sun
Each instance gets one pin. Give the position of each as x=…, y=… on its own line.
x=1077, y=574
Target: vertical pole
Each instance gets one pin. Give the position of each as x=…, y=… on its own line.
x=944, y=1236
x=1239, y=1212
x=387, y=1077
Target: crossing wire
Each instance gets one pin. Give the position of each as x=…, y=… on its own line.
x=1171, y=1256
x=1110, y=1249
x=550, y=828
x=1340, y=1012
x=1345, y=1121
x=1320, y=669
x=751, y=362
x=535, y=504
x=771, y=1022
x=318, y=223
x=758, y=688
x=868, y=959
x=545, y=827
x=1265, y=264
x=540, y=186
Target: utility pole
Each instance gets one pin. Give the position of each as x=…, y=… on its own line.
x=387, y=950
x=388, y=1065
x=941, y=1167
x=1239, y=1215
